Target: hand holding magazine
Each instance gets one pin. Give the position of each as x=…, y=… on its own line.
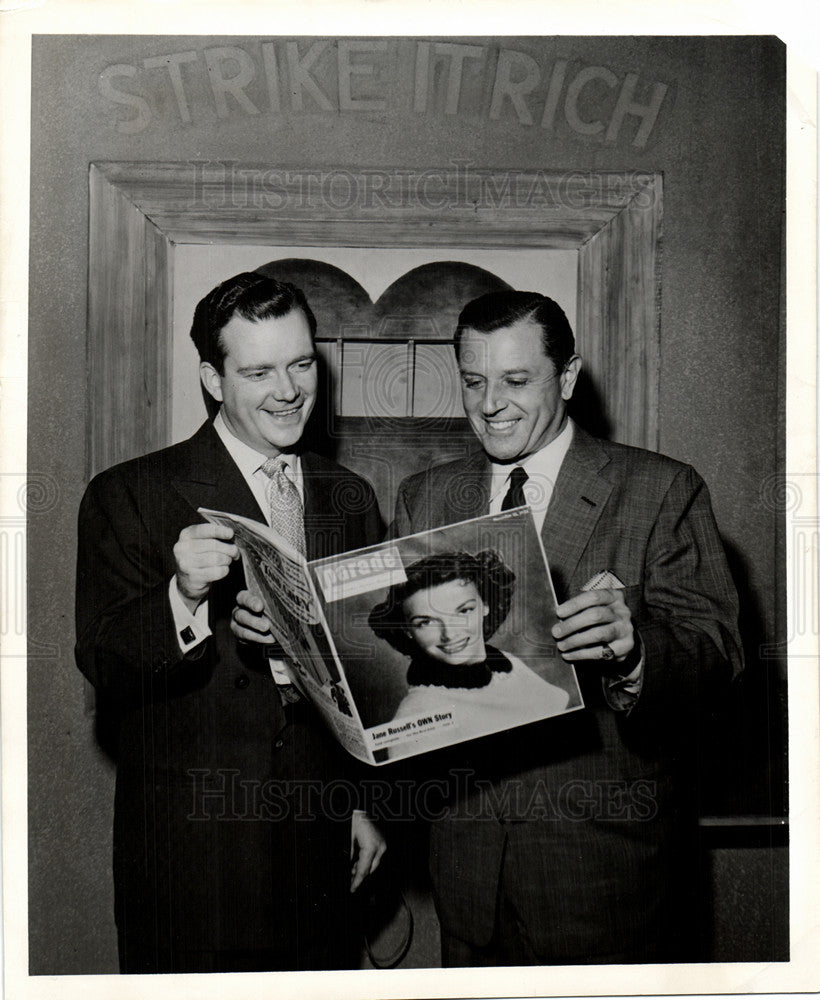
x=419, y=642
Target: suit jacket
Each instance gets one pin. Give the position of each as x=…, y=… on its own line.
x=211, y=855
x=588, y=806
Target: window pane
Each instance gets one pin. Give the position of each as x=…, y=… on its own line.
x=435, y=389
x=374, y=380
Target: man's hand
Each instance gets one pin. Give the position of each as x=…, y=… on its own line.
x=591, y=621
x=367, y=845
x=249, y=621
x=203, y=554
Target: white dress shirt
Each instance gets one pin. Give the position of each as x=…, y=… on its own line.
x=542, y=468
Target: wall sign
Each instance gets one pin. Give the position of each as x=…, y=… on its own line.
x=368, y=76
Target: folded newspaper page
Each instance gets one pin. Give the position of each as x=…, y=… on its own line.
x=419, y=642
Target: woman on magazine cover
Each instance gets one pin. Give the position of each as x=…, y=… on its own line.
x=441, y=616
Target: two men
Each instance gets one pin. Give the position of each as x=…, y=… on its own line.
x=570, y=841
x=211, y=873
x=566, y=841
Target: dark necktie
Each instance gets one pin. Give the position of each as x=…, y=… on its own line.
x=515, y=494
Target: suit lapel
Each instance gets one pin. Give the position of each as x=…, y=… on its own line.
x=208, y=477
x=577, y=503
x=466, y=493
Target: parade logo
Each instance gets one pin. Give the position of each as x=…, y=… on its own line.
x=361, y=574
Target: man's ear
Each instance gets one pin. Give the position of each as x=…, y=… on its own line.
x=569, y=376
x=211, y=379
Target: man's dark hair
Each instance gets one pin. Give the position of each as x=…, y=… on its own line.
x=492, y=578
x=250, y=295
x=497, y=310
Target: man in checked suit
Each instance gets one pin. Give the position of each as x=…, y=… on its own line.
x=571, y=840
x=227, y=855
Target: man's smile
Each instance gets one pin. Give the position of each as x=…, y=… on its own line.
x=501, y=425
x=283, y=414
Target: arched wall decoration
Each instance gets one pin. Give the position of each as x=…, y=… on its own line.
x=138, y=211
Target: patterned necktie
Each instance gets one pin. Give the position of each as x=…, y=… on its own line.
x=515, y=494
x=284, y=503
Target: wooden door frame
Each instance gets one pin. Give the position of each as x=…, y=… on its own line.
x=140, y=210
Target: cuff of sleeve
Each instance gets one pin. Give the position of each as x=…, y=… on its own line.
x=622, y=691
x=191, y=629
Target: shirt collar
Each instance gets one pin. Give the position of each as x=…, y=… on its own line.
x=248, y=459
x=542, y=465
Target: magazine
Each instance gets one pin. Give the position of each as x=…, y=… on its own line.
x=419, y=642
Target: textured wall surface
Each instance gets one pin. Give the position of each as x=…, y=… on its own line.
x=717, y=138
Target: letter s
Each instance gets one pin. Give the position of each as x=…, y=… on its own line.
x=107, y=89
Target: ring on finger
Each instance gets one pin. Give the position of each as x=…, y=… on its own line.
x=607, y=652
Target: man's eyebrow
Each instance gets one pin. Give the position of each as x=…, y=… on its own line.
x=267, y=368
x=507, y=371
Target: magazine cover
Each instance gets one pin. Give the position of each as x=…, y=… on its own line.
x=419, y=642
x=443, y=635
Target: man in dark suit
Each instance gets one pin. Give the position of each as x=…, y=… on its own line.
x=228, y=856
x=571, y=841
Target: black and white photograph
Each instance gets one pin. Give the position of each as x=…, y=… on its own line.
x=488, y=332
